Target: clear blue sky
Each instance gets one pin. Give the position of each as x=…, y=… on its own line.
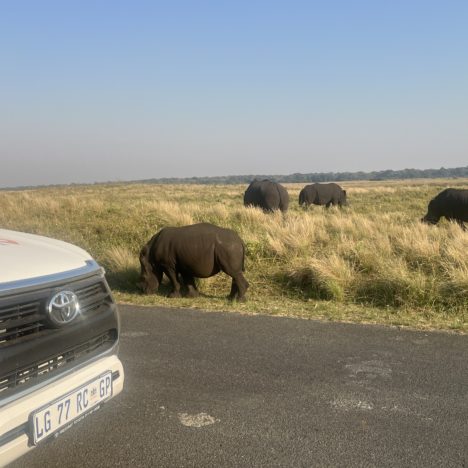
x=109, y=90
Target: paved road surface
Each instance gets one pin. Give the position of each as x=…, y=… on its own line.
x=226, y=390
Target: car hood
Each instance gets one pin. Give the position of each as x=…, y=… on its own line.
x=26, y=256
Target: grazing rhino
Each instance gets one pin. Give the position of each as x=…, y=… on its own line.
x=323, y=194
x=266, y=194
x=189, y=252
x=452, y=204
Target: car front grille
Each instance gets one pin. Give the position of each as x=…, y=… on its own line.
x=33, y=372
x=22, y=317
x=19, y=320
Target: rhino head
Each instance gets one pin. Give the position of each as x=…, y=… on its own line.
x=148, y=282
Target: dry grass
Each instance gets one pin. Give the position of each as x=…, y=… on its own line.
x=373, y=261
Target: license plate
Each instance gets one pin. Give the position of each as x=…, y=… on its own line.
x=64, y=411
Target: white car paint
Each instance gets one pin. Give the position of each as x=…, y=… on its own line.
x=26, y=256
x=30, y=261
x=18, y=412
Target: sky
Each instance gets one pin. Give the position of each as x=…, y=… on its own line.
x=124, y=90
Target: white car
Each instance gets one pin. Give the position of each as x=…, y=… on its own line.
x=59, y=335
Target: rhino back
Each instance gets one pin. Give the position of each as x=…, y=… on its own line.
x=252, y=193
x=190, y=248
x=326, y=193
x=195, y=249
x=264, y=194
x=269, y=195
x=452, y=203
x=310, y=194
x=284, y=197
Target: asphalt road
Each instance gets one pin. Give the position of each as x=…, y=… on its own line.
x=209, y=389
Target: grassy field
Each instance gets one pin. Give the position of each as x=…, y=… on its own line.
x=371, y=262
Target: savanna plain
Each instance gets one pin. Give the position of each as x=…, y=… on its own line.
x=372, y=261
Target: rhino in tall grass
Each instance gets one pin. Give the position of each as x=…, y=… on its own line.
x=322, y=194
x=188, y=252
x=452, y=204
x=266, y=194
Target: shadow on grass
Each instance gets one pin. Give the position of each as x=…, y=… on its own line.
x=126, y=281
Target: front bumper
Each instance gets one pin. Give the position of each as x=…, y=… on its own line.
x=14, y=417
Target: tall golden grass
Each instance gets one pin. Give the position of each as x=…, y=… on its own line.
x=375, y=252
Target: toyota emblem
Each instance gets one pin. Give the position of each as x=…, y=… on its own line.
x=63, y=308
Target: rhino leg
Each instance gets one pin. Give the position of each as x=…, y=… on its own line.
x=234, y=290
x=191, y=286
x=239, y=287
x=158, y=272
x=172, y=275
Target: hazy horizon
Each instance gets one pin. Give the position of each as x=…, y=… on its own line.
x=120, y=91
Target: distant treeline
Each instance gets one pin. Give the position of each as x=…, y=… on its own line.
x=461, y=172
x=442, y=173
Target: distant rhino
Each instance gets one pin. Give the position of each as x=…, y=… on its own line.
x=322, y=194
x=452, y=204
x=266, y=194
x=189, y=252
